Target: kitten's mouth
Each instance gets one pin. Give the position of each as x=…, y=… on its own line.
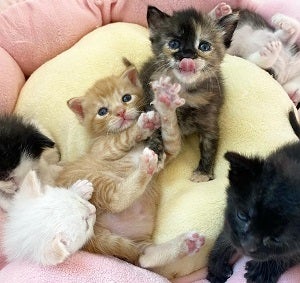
x=187, y=66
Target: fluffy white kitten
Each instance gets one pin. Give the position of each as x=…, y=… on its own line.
x=47, y=224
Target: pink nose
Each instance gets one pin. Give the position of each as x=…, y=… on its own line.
x=121, y=113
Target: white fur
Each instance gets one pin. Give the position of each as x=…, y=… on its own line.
x=47, y=224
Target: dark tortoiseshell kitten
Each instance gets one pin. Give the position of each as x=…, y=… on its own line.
x=262, y=216
x=189, y=47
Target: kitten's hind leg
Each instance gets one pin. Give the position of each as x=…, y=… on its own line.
x=220, y=11
x=106, y=243
x=162, y=254
x=208, y=149
x=288, y=29
x=166, y=101
x=267, y=56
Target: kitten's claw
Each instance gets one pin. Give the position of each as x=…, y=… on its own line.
x=149, y=161
x=220, y=11
x=166, y=95
x=84, y=188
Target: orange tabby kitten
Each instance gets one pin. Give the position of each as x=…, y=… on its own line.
x=122, y=170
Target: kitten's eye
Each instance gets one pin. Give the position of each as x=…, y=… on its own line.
x=174, y=44
x=204, y=46
x=242, y=216
x=102, y=111
x=275, y=240
x=126, y=98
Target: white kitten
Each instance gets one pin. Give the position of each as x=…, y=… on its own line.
x=47, y=224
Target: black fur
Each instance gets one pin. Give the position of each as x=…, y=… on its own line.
x=262, y=216
x=18, y=138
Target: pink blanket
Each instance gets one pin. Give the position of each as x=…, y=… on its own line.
x=34, y=31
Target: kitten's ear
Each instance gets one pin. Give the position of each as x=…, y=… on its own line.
x=31, y=185
x=155, y=17
x=75, y=104
x=242, y=168
x=228, y=25
x=57, y=251
x=132, y=75
x=38, y=142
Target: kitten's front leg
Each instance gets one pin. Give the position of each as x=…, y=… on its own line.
x=166, y=101
x=288, y=29
x=219, y=268
x=266, y=271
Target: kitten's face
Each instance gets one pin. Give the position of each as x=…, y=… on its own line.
x=189, y=43
x=263, y=213
x=112, y=105
x=21, y=145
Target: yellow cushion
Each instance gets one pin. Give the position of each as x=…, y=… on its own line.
x=253, y=120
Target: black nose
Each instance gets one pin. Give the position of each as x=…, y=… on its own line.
x=250, y=244
x=185, y=53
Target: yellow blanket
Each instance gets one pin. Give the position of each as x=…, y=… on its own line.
x=253, y=121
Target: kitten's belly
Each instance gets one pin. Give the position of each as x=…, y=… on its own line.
x=136, y=222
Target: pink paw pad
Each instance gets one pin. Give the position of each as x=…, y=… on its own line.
x=167, y=93
x=194, y=242
x=222, y=10
x=150, y=120
x=149, y=160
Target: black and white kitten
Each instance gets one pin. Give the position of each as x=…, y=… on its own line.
x=189, y=48
x=21, y=147
x=271, y=47
x=262, y=216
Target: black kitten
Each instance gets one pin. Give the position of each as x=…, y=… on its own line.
x=262, y=216
x=21, y=146
x=189, y=48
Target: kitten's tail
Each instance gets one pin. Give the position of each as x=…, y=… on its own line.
x=294, y=123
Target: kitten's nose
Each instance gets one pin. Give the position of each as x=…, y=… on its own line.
x=250, y=245
x=121, y=113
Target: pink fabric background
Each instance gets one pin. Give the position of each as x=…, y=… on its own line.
x=34, y=31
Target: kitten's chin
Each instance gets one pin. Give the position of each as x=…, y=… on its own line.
x=186, y=77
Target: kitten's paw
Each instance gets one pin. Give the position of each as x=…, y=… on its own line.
x=149, y=161
x=166, y=95
x=83, y=188
x=148, y=122
x=220, y=11
x=191, y=244
x=257, y=273
x=199, y=177
x=285, y=23
x=271, y=49
x=220, y=277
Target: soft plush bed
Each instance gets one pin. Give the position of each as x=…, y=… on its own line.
x=52, y=50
